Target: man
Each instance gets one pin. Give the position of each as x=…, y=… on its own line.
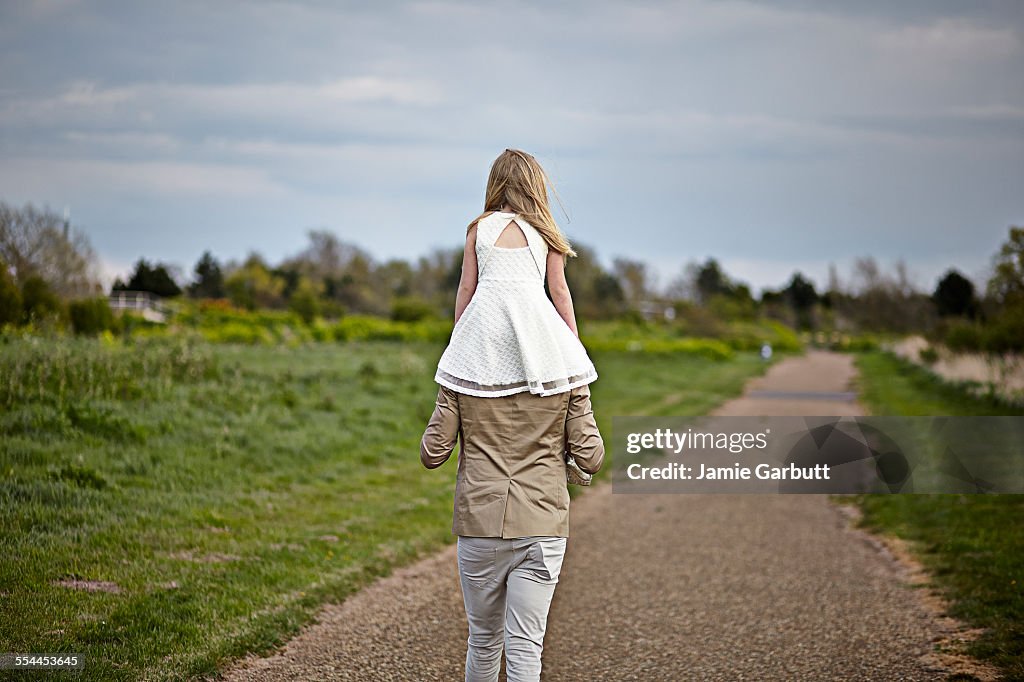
x=511, y=513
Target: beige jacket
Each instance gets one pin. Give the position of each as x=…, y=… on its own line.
x=511, y=477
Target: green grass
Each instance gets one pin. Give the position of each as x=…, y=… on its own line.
x=973, y=545
x=227, y=491
x=892, y=386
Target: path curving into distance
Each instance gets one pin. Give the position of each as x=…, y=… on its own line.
x=665, y=587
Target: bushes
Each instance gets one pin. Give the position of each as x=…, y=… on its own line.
x=928, y=355
x=411, y=309
x=305, y=301
x=783, y=338
x=1006, y=333
x=134, y=325
x=10, y=298
x=90, y=316
x=964, y=337
x=678, y=337
x=368, y=328
x=34, y=302
x=220, y=322
x=237, y=332
x=711, y=349
x=840, y=341
x=38, y=301
x=746, y=336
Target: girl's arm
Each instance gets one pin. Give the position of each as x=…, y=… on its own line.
x=559, y=289
x=467, y=283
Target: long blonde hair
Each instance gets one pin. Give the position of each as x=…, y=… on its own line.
x=518, y=180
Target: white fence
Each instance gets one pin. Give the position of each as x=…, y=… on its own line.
x=146, y=304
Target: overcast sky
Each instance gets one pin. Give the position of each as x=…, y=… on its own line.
x=774, y=135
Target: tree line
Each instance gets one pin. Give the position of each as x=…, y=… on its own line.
x=47, y=266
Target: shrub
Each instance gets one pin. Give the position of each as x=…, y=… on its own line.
x=928, y=355
x=237, y=332
x=10, y=298
x=712, y=349
x=783, y=338
x=321, y=331
x=411, y=309
x=1005, y=334
x=90, y=316
x=38, y=301
x=859, y=343
x=964, y=336
x=367, y=328
x=135, y=325
x=434, y=330
x=305, y=301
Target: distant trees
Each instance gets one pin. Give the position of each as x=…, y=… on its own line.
x=596, y=293
x=709, y=281
x=304, y=299
x=42, y=261
x=954, y=296
x=91, y=316
x=876, y=300
x=633, y=278
x=38, y=301
x=794, y=304
x=156, y=279
x=10, y=297
x=254, y=285
x=208, y=279
x=1006, y=286
x=33, y=302
x=330, y=277
x=707, y=285
x=1005, y=332
x=38, y=242
x=44, y=264
x=347, y=275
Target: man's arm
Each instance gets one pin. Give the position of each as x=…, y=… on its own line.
x=442, y=430
x=582, y=437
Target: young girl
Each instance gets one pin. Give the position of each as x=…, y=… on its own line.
x=508, y=336
x=514, y=392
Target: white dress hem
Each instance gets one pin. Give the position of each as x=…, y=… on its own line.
x=589, y=377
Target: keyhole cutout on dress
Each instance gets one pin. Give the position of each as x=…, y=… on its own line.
x=512, y=237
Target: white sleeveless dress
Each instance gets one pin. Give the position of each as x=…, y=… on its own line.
x=510, y=338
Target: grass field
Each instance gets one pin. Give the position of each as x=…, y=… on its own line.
x=973, y=545
x=169, y=505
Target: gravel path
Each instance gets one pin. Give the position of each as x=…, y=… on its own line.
x=664, y=587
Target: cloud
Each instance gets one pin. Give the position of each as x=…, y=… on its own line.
x=91, y=101
x=671, y=127
x=950, y=42
x=154, y=178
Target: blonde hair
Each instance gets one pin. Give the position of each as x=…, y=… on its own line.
x=518, y=180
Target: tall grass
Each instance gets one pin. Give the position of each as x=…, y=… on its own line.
x=58, y=371
x=223, y=492
x=972, y=544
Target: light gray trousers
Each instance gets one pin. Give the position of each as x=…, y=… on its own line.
x=507, y=585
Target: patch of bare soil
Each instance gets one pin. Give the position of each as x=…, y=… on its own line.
x=88, y=585
x=952, y=635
